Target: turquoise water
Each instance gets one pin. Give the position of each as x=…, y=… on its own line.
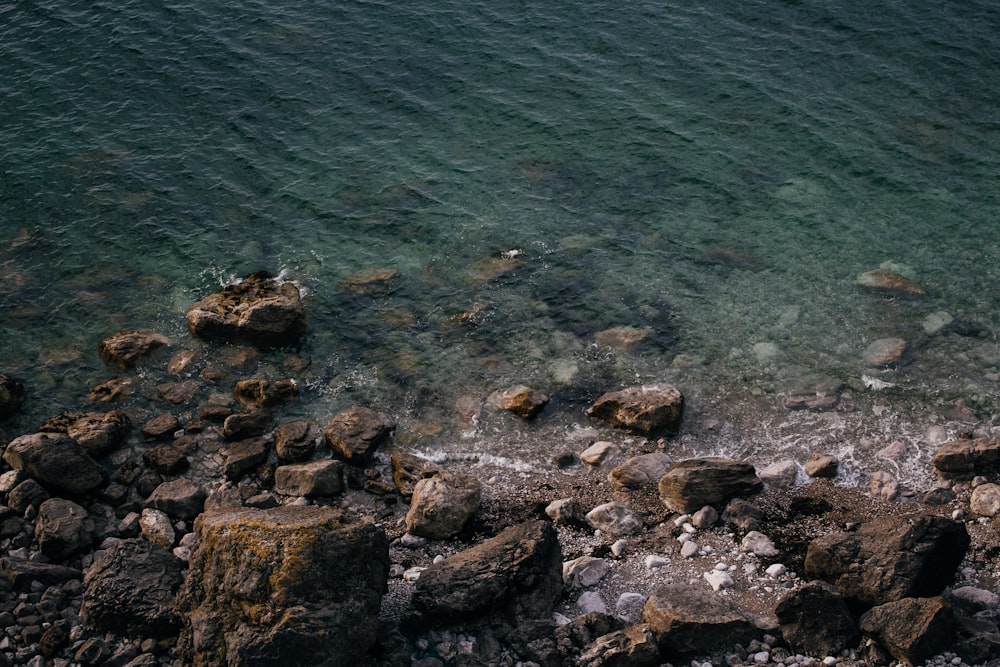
x=719, y=175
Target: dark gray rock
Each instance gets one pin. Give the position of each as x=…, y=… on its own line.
x=63, y=528
x=244, y=456
x=57, y=461
x=286, y=586
x=650, y=410
x=100, y=433
x=28, y=493
x=20, y=572
x=126, y=349
x=243, y=425
x=890, y=558
x=814, y=620
x=691, y=484
x=518, y=571
x=912, y=630
x=165, y=459
x=12, y=395
x=296, y=441
x=130, y=590
x=355, y=433
x=259, y=310
x=161, y=426
x=178, y=499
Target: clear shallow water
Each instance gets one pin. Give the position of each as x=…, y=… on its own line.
x=151, y=154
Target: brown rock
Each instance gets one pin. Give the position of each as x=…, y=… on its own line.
x=491, y=268
x=965, y=458
x=814, y=402
x=814, y=620
x=113, y=390
x=161, y=426
x=892, y=284
x=650, y=410
x=246, y=425
x=181, y=362
x=259, y=310
x=356, y=432
x=243, y=457
x=178, y=499
x=57, y=461
x=634, y=646
x=374, y=282
x=690, y=485
x=165, y=459
x=884, y=352
x=316, y=478
x=627, y=339
x=913, y=630
x=407, y=470
x=640, y=471
x=127, y=348
x=441, y=504
x=178, y=393
x=296, y=441
x=100, y=433
x=822, y=465
x=264, y=393
x=523, y=401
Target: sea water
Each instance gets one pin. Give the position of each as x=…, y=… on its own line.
x=715, y=174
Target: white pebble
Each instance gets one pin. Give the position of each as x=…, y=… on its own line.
x=412, y=574
x=689, y=550
x=618, y=548
x=652, y=562
x=776, y=570
x=718, y=580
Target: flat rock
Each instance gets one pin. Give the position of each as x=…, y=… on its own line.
x=441, y=504
x=890, y=558
x=21, y=572
x=913, y=630
x=518, y=571
x=261, y=393
x=126, y=349
x=296, y=441
x=523, y=401
x=640, y=471
x=650, y=410
x=259, y=310
x=315, y=478
x=815, y=620
x=887, y=282
x=100, y=433
x=178, y=393
x=355, y=433
x=884, y=352
x=966, y=458
x=178, y=498
x=161, y=426
x=56, y=461
x=243, y=425
x=262, y=591
x=244, y=456
x=691, y=484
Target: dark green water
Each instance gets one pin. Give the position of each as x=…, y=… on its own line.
x=717, y=175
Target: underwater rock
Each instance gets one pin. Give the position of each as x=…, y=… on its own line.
x=244, y=425
x=523, y=401
x=114, y=389
x=626, y=339
x=12, y=395
x=649, y=410
x=493, y=267
x=887, y=282
x=262, y=393
x=884, y=352
x=355, y=433
x=691, y=484
x=160, y=427
x=259, y=310
x=374, y=282
x=127, y=348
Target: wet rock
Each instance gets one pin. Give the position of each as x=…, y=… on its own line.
x=822, y=466
x=243, y=425
x=100, y=433
x=626, y=339
x=407, y=470
x=296, y=441
x=28, y=493
x=887, y=282
x=634, y=646
x=884, y=352
x=688, y=620
x=161, y=426
x=165, y=459
x=372, y=282
x=689, y=485
x=63, y=528
x=130, y=590
x=181, y=362
x=179, y=498
x=261, y=589
x=640, y=471
x=259, y=310
x=441, y=504
x=355, y=433
x=518, y=571
x=243, y=457
x=913, y=630
x=21, y=572
x=113, y=390
x=780, y=475
x=937, y=322
x=813, y=402
x=523, y=401
x=614, y=519
x=985, y=500
x=814, y=620
x=316, y=478
x=57, y=461
x=494, y=267
x=12, y=395
x=650, y=410
x=890, y=558
x=262, y=393
x=966, y=458
x=126, y=349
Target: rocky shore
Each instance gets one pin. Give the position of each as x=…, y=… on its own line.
x=219, y=531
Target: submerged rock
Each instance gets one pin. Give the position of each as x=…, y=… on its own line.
x=523, y=401
x=127, y=348
x=649, y=410
x=284, y=586
x=259, y=310
x=372, y=282
x=262, y=393
x=890, y=283
x=12, y=395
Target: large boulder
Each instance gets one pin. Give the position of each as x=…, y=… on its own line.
x=258, y=310
x=295, y=441
x=354, y=434
x=291, y=586
x=691, y=484
x=913, y=630
x=126, y=349
x=12, y=395
x=518, y=571
x=315, y=478
x=442, y=503
x=890, y=558
x=100, y=433
x=131, y=590
x=965, y=458
x=57, y=461
x=63, y=528
x=814, y=620
x=649, y=410
x=688, y=620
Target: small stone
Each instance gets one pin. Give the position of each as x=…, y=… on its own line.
x=157, y=528
x=523, y=401
x=653, y=562
x=776, y=570
x=614, y=518
x=884, y=352
x=985, y=500
x=718, y=580
x=689, y=549
x=599, y=452
x=780, y=475
x=584, y=572
x=758, y=544
x=822, y=466
x=591, y=602
x=884, y=485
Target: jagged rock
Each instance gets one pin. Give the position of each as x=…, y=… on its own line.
x=441, y=504
x=635, y=646
x=407, y=470
x=356, y=432
x=161, y=426
x=523, y=401
x=100, y=433
x=913, y=630
x=259, y=310
x=57, y=461
x=165, y=459
x=296, y=441
x=178, y=393
x=650, y=410
x=263, y=588
x=890, y=558
x=889, y=283
x=130, y=590
x=688, y=620
x=691, y=484
x=243, y=425
x=63, y=528
x=814, y=620
x=563, y=511
x=12, y=395
x=113, y=390
x=614, y=518
x=759, y=544
x=965, y=458
x=640, y=471
x=316, y=478
x=28, y=493
x=244, y=456
x=519, y=571
x=823, y=466
x=262, y=393
x=884, y=352
x=584, y=630
x=178, y=498
x=127, y=348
